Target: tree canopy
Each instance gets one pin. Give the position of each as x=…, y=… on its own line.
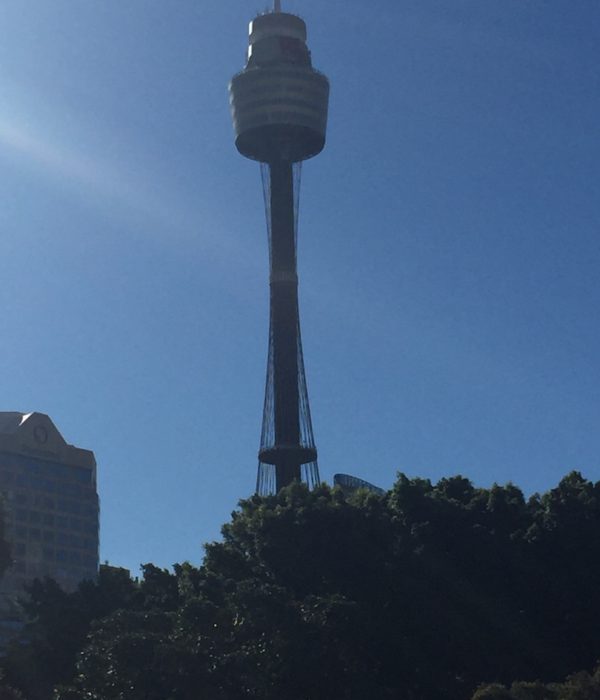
x=578, y=686
x=426, y=592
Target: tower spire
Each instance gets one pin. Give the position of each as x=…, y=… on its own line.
x=277, y=7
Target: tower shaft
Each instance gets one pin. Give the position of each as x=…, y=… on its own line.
x=284, y=323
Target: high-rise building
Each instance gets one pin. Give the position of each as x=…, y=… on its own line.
x=279, y=105
x=49, y=504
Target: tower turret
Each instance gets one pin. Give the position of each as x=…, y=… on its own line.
x=279, y=107
x=279, y=101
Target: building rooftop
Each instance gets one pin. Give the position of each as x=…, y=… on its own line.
x=10, y=421
x=35, y=434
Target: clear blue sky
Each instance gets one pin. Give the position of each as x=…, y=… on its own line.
x=449, y=248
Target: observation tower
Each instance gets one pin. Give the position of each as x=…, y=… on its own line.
x=279, y=109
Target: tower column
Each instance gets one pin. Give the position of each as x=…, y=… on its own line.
x=284, y=322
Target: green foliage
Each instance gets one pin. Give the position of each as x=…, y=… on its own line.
x=494, y=691
x=59, y=623
x=420, y=594
x=578, y=686
x=8, y=693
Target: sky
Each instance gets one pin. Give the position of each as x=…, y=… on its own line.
x=449, y=249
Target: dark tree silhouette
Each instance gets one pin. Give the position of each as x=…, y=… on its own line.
x=426, y=592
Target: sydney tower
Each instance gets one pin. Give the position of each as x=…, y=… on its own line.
x=279, y=107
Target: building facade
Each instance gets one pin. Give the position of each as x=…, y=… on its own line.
x=49, y=504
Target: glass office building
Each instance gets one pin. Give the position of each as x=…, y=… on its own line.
x=49, y=504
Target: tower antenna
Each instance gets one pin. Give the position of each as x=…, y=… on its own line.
x=277, y=7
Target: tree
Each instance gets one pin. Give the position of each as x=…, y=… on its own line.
x=423, y=593
x=58, y=625
x=8, y=693
x=578, y=686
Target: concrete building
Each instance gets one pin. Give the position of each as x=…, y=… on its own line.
x=49, y=504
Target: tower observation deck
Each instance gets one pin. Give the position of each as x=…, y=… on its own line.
x=279, y=108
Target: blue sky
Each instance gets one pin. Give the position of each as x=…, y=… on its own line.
x=448, y=248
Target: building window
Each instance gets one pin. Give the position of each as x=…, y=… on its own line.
x=48, y=503
x=35, y=469
x=84, y=476
x=69, y=507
